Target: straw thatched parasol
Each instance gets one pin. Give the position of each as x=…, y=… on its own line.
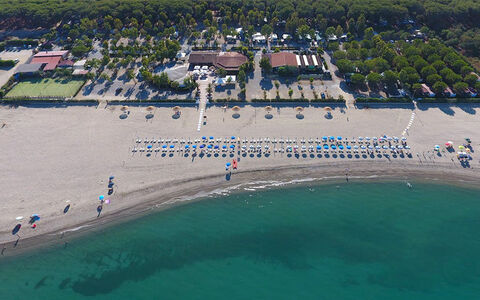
x=299, y=109
x=150, y=108
x=268, y=108
x=236, y=108
x=327, y=108
x=124, y=108
x=176, y=108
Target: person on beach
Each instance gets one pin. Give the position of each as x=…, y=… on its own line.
x=99, y=209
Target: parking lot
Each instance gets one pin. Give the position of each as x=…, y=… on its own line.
x=22, y=56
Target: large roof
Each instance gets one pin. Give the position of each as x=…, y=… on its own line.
x=51, y=53
x=282, y=59
x=51, y=62
x=202, y=57
x=230, y=60
x=28, y=68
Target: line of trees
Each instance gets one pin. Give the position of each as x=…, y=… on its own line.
x=436, y=13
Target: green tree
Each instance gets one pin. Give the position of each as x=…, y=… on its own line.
x=420, y=63
x=369, y=33
x=221, y=72
x=390, y=78
x=438, y=87
x=409, y=75
x=466, y=70
x=417, y=89
x=471, y=79
x=358, y=79
x=130, y=74
x=438, y=65
x=242, y=77
x=290, y=93
x=427, y=71
x=374, y=79
x=339, y=54
x=265, y=65
x=433, y=78
x=361, y=21
x=266, y=30
x=460, y=87
x=345, y=66
x=339, y=31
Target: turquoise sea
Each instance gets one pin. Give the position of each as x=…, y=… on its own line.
x=331, y=241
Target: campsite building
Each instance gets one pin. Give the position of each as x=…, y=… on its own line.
x=229, y=61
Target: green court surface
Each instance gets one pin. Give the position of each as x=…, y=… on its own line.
x=46, y=87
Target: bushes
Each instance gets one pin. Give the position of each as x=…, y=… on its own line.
x=383, y=100
x=7, y=63
x=21, y=43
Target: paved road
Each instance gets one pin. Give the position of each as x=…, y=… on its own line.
x=334, y=86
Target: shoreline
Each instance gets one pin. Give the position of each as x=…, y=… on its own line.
x=158, y=197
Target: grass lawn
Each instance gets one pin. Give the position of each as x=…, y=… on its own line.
x=46, y=87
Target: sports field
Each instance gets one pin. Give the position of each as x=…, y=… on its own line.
x=46, y=87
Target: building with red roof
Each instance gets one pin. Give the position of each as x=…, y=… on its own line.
x=49, y=59
x=230, y=61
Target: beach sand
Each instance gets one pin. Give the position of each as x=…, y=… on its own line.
x=51, y=154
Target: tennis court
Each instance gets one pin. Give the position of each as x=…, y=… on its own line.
x=46, y=87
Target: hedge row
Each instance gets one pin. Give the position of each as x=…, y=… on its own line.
x=449, y=100
x=21, y=43
x=152, y=100
x=330, y=100
x=383, y=100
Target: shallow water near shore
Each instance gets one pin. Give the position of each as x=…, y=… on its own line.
x=332, y=241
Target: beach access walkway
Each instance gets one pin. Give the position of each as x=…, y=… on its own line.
x=202, y=87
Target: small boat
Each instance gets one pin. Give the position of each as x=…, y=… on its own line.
x=410, y=186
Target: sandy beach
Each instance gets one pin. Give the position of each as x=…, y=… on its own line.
x=55, y=155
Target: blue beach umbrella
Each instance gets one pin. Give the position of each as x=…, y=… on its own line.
x=333, y=147
x=339, y=138
x=204, y=137
x=228, y=164
x=194, y=146
x=172, y=146
x=35, y=217
x=216, y=147
x=325, y=146
x=332, y=138
x=340, y=147
x=211, y=137
x=324, y=138
x=232, y=146
x=209, y=146
x=149, y=146
x=101, y=197
x=233, y=137
x=202, y=146
x=319, y=147
x=224, y=146
x=164, y=146
x=349, y=147
x=187, y=146
x=111, y=178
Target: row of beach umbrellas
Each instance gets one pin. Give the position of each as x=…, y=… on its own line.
x=234, y=139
